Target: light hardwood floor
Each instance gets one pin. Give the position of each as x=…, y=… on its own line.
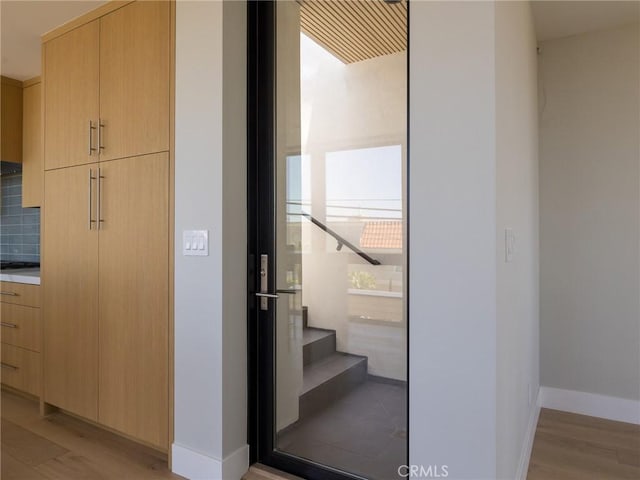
x=566, y=447
x=62, y=447
x=576, y=447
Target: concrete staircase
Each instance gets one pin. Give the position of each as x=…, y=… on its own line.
x=328, y=374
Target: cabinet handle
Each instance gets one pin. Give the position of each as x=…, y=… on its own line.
x=11, y=294
x=91, y=179
x=100, y=135
x=9, y=366
x=100, y=177
x=8, y=325
x=91, y=129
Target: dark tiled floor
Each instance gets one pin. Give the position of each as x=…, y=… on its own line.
x=363, y=432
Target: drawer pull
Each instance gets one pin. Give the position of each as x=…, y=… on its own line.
x=9, y=325
x=11, y=294
x=9, y=366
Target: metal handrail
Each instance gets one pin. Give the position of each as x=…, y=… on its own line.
x=340, y=239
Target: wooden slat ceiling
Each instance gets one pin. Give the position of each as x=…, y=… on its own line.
x=356, y=30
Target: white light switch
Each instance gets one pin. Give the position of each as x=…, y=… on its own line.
x=509, y=245
x=195, y=242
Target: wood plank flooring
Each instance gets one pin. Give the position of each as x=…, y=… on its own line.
x=576, y=447
x=61, y=447
x=566, y=447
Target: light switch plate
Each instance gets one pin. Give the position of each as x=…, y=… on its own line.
x=195, y=243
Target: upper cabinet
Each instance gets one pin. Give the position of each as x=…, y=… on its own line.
x=106, y=87
x=134, y=80
x=11, y=120
x=71, y=110
x=32, y=174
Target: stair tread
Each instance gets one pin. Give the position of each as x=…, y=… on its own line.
x=310, y=334
x=319, y=372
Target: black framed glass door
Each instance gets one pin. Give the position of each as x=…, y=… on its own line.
x=327, y=99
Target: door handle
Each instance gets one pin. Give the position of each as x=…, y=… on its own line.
x=267, y=295
x=100, y=135
x=275, y=295
x=264, y=294
x=91, y=179
x=99, y=220
x=91, y=147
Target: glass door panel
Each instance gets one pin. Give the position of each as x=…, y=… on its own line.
x=340, y=328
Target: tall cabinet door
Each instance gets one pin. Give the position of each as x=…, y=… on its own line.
x=134, y=80
x=134, y=293
x=71, y=92
x=70, y=293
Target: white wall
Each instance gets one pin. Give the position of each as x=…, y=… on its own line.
x=590, y=213
x=452, y=208
x=210, y=292
x=517, y=363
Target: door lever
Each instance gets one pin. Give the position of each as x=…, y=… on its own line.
x=267, y=295
x=264, y=294
x=275, y=295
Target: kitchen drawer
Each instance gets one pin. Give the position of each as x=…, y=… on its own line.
x=21, y=326
x=20, y=293
x=21, y=369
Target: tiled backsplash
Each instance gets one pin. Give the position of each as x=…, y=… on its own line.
x=19, y=227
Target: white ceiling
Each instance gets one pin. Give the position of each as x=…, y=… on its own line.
x=21, y=24
x=563, y=18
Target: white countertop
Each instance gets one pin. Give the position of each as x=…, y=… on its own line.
x=21, y=275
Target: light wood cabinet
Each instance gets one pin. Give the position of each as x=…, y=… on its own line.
x=71, y=96
x=106, y=220
x=32, y=154
x=21, y=326
x=106, y=294
x=134, y=297
x=21, y=336
x=134, y=80
x=21, y=369
x=70, y=296
x=10, y=120
x=107, y=87
x=20, y=293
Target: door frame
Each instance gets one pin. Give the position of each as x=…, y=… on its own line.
x=261, y=239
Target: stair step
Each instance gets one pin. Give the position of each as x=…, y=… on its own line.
x=317, y=344
x=326, y=380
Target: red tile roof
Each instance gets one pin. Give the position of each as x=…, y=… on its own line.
x=382, y=234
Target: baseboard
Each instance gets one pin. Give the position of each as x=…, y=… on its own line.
x=525, y=454
x=198, y=466
x=594, y=405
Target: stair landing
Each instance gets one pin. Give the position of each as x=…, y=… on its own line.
x=328, y=374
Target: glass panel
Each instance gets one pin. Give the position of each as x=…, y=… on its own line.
x=341, y=96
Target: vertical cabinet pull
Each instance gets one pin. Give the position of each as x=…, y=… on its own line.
x=91, y=129
x=100, y=177
x=91, y=179
x=100, y=135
